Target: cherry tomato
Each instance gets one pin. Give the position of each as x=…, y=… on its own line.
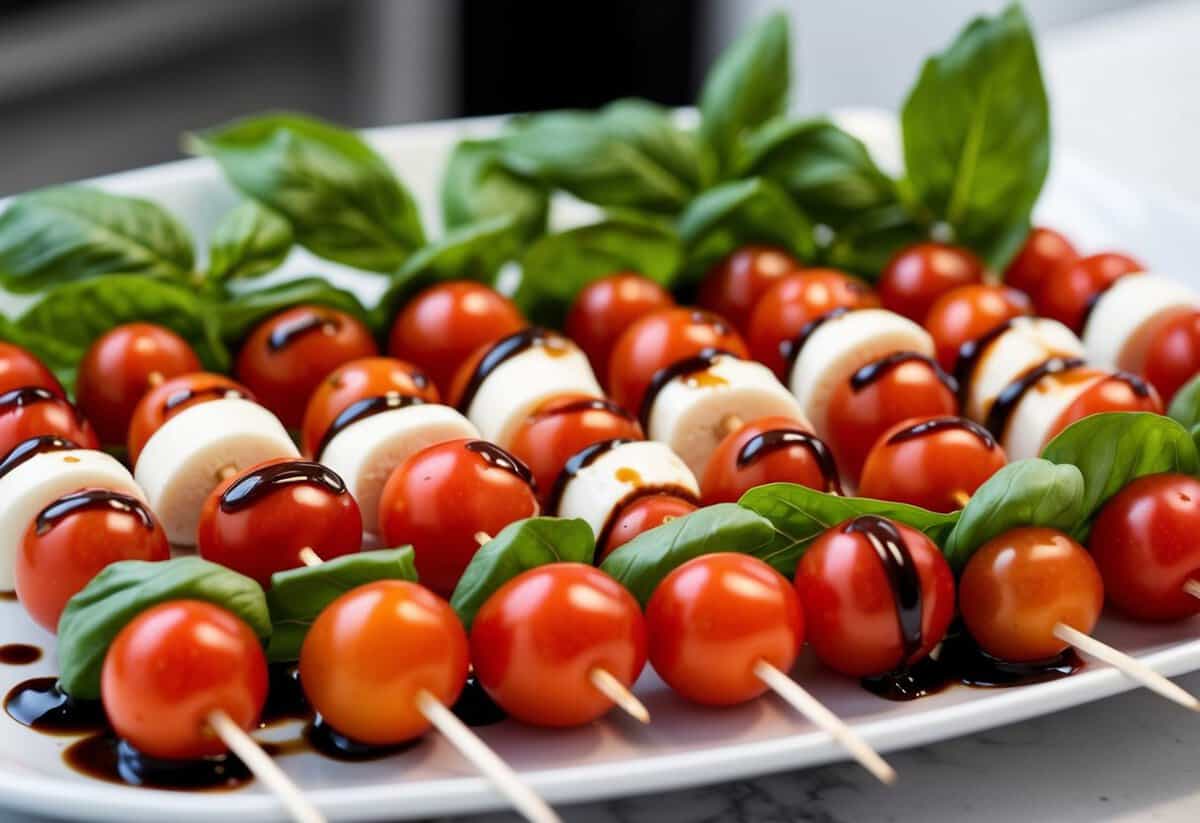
x=642, y=515
x=172, y=397
x=123, y=365
x=1017, y=587
x=442, y=325
x=659, y=340
x=933, y=462
x=853, y=609
x=1173, y=354
x=711, y=620
x=918, y=275
x=1144, y=544
x=767, y=450
x=969, y=312
x=358, y=380
x=287, y=356
x=372, y=651
x=794, y=301
x=33, y=411
x=1043, y=252
x=737, y=281
x=538, y=639
x=1068, y=291
x=444, y=496
x=608, y=306
x=171, y=667
x=72, y=539
x=19, y=368
x=1115, y=393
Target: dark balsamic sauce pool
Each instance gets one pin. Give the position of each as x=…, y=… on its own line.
x=104, y=757
x=41, y=705
x=19, y=654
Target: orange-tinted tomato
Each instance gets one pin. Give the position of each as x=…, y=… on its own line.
x=1043, y=252
x=443, y=324
x=161, y=404
x=969, y=312
x=1144, y=544
x=606, y=307
x=123, y=365
x=642, y=515
x=736, y=282
x=539, y=637
x=1173, y=354
x=716, y=616
x=1017, y=587
x=19, y=368
x=767, y=450
x=1069, y=290
x=174, y=665
x=918, y=275
x=1116, y=393
x=33, y=411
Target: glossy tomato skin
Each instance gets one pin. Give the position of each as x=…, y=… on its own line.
x=32, y=411
x=605, y=308
x=969, y=312
x=160, y=404
x=735, y=283
x=713, y=618
x=794, y=301
x=440, y=498
x=442, y=325
x=728, y=475
x=266, y=536
x=287, y=356
x=850, y=609
x=537, y=639
x=56, y=563
x=659, y=340
x=121, y=366
x=1173, y=355
x=1043, y=252
x=1118, y=393
x=358, y=380
x=171, y=667
x=918, y=275
x=1067, y=293
x=1144, y=544
x=642, y=515
x=373, y=650
x=19, y=368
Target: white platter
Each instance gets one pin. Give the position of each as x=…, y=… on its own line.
x=685, y=745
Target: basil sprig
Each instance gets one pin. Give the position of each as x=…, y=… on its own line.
x=249, y=241
x=478, y=187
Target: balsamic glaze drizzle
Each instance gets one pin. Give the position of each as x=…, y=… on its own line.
x=361, y=409
x=937, y=424
x=187, y=395
x=574, y=465
x=41, y=705
x=502, y=351
x=790, y=349
x=876, y=369
x=969, y=354
x=1006, y=402
x=1136, y=384
x=263, y=481
x=774, y=440
x=28, y=449
x=19, y=654
x=91, y=499
x=901, y=572
x=704, y=359
x=26, y=396
x=475, y=707
x=333, y=744
x=289, y=330
x=586, y=404
x=501, y=459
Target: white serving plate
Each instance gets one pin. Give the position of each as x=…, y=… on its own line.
x=685, y=745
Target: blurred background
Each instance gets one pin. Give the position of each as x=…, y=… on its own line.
x=93, y=86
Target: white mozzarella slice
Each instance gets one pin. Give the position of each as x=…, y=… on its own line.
x=39, y=481
x=691, y=413
x=1125, y=317
x=1032, y=421
x=1025, y=344
x=182, y=462
x=367, y=451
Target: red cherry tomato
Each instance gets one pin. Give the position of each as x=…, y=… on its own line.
x=1173, y=354
x=920, y=274
x=852, y=607
x=174, y=396
x=737, y=281
x=287, y=356
x=1043, y=252
x=1144, y=544
x=442, y=325
x=1115, y=393
x=174, y=665
x=75, y=537
x=933, y=462
x=19, y=368
x=358, y=380
x=372, y=651
x=537, y=640
x=794, y=301
x=767, y=450
x=1068, y=291
x=257, y=522
x=711, y=620
x=123, y=365
x=441, y=498
x=608, y=306
x=1017, y=587
x=659, y=340
x=642, y=515
x=33, y=411
x=969, y=312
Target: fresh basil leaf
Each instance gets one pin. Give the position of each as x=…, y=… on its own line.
x=341, y=197
x=1031, y=492
x=476, y=187
x=642, y=563
x=249, y=241
x=651, y=128
x=61, y=358
x=123, y=590
x=1185, y=406
x=866, y=243
x=245, y=310
x=69, y=233
x=519, y=547
x=298, y=596
x=977, y=134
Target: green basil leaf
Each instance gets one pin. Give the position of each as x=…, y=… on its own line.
x=977, y=134
x=298, y=596
x=1185, y=405
x=69, y=233
x=476, y=187
x=123, y=590
x=642, y=563
x=244, y=311
x=651, y=128
x=519, y=547
x=249, y=241
x=1031, y=492
x=341, y=197
x=866, y=243
x=61, y=358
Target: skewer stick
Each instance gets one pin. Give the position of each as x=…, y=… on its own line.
x=309, y=557
x=1192, y=587
x=470, y=746
x=482, y=537
x=616, y=691
x=226, y=472
x=800, y=699
x=960, y=498
x=155, y=379
x=732, y=423
x=1130, y=666
x=263, y=768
